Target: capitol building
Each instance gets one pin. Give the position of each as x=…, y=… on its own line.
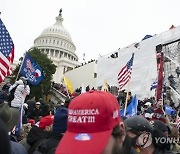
x=56, y=42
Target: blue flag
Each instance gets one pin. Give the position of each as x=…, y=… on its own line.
x=131, y=109
x=169, y=110
x=31, y=70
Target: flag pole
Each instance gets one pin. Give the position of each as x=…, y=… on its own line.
x=66, y=87
x=20, y=66
x=126, y=98
x=106, y=85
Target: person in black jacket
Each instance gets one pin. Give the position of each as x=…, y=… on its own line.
x=39, y=134
x=4, y=139
x=48, y=146
x=36, y=113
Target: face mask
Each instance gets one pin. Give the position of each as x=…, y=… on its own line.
x=133, y=141
x=144, y=140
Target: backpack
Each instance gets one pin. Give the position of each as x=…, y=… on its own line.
x=11, y=94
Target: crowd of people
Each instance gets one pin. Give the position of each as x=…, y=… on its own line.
x=87, y=123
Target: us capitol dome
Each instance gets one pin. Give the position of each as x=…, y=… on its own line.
x=56, y=42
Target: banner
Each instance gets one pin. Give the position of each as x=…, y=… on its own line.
x=68, y=85
x=131, y=108
x=31, y=70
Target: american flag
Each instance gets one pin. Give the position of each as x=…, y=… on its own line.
x=154, y=84
x=6, y=52
x=125, y=74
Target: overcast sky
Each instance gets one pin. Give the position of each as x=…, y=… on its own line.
x=96, y=26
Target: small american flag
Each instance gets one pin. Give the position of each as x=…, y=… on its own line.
x=125, y=74
x=6, y=52
x=154, y=84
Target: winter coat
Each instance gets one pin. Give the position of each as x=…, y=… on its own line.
x=36, y=136
x=18, y=94
x=17, y=148
x=35, y=113
x=48, y=146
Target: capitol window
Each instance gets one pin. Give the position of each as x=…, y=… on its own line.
x=65, y=55
x=56, y=53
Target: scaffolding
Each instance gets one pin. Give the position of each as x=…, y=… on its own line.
x=171, y=69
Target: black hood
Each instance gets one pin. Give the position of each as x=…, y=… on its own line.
x=35, y=134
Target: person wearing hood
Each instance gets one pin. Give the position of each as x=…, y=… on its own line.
x=21, y=91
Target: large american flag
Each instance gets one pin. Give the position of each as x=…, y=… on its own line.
x=6, y=52
x=125, y=73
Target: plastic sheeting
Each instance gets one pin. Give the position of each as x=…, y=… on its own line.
x=144, y=71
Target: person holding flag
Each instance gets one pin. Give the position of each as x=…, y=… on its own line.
x=124, y=77
x=20, y=93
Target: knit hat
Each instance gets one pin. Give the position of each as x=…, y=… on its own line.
x=46, y=121
x=91, y=119
x=31, y=121
x=60, y=120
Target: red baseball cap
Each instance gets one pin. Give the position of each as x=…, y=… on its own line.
x=91, y=119
x=46, y=121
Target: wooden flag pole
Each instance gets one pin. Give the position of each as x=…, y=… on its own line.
x=20, y=67
x=126, y=98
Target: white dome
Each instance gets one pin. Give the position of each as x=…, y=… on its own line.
x=56, y=37
x=57, y=29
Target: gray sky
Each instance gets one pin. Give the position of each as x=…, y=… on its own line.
x=96, y=26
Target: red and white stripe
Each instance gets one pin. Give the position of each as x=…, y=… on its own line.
x=124, y=76
x=6, y=65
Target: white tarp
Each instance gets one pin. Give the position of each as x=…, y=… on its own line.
x=144, y=70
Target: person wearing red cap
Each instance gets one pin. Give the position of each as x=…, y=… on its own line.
x=94, y=126
x=38, y=134
x=46, y=123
